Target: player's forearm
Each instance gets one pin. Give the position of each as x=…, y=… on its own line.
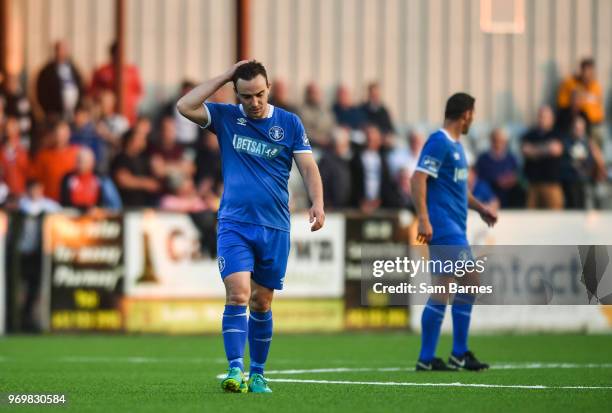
x=198, y=95
x=473, y=203
x=314, y=185
x=419, y=195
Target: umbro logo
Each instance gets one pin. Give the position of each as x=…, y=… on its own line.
x=457, y=156
x=241, y=121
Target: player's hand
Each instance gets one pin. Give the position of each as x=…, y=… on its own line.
x=230, y=72
x=489, y=216
x=425, y=231
x=317, y=218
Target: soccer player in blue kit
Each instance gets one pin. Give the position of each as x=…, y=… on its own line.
x=258, y=145
x=442, y=198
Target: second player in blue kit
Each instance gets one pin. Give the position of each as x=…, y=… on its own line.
x=442, y=198
x=258, y=143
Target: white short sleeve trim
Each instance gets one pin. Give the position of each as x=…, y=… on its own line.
x=207, y=115
x=427, y=171
x=303, y=151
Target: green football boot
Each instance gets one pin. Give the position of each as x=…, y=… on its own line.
x=258, y=384
x=234, y=382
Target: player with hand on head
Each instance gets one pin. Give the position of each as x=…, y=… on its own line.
x=442, y=198
x=258, y=144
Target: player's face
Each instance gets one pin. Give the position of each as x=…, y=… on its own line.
x=253, y=94
x=468, y=117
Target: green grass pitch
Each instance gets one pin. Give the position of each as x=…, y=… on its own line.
x=336, y=372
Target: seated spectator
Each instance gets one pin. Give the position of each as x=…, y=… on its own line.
x=84, y=133
x=51, y=164
x=372, y=186
x=104, y=79
x=59, y=87
x=183, y=196
x=208, y=176
x=482, y=191
x=14, y=160
x=578, y=166
x=187, y=132
x=82, y=188
x=585, y=89
x=499, y=168
x=168, y=157
x=405, y=156
x=131, y=169
x=279, y=96
x=542, y=150
x=375, y=111
x=347, y=114
x=316, y=118
x=18, y=105
x=335, y=170
x=111, y=125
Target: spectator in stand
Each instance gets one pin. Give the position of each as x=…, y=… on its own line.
x=372, y=185
x=586, y=91
x=104, y=79
x=347, y=114
x=542, y=150
x=187, y=132
x=59, y=88
x=482, y=191
x=316, y=118
x=279, y=96
x=84, y=133
x=111, y=125
x=14, y=161
x=32, y=207
x=335, y=170
x=183, y=196
x=499, y=168
x=167, y=156
x=16, y=104
x=52, y=163
x=405, y=155
x=564, y=120
x=82, y=188
x=208, y=175
x=375, y=111
x=578, y=165
x=404, y=187
x=131, y=169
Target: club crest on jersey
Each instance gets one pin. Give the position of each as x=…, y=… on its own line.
x=241, y=121
x=276, y=133
x=457, y=156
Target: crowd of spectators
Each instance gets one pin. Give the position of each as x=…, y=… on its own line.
x=80, y=152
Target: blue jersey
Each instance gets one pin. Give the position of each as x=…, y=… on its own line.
x=256, y=156
x=443, y=159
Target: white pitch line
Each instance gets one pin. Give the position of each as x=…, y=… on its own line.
x=457, y=384
x=506, y=366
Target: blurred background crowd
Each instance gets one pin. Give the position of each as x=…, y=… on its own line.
x=67, y=146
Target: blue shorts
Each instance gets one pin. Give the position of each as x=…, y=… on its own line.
x=450, y=248
x=263, y=251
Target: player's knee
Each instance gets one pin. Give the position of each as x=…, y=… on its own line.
x=260, y=302
x=237, y=297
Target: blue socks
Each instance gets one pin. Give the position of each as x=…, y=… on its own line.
x=234, y=327
x=431, y=322
x=260, y=336
x=461, y=311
